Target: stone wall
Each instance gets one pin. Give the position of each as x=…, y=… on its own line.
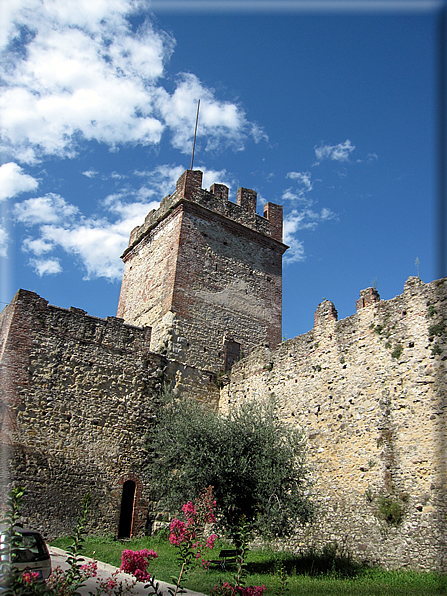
x=78, y=396
x=369, y=392
x=202, y=271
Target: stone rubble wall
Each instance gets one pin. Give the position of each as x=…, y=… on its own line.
x=369, y=393
x=79, y=395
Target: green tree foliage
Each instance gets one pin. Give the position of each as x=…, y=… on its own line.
x=255, y=463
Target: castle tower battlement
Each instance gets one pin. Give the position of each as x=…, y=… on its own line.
x=189, y=187
x=203, y=271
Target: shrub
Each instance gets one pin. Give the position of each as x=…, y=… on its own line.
x=397, y=352
x=390, y=510
x=255, y=463
x=436, y=329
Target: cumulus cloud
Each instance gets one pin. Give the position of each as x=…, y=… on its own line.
x=96, y=242
x=37, y=246
x=303, y=177
x=14, y=181
x=51, y=208
x=296, y=246
x=75, y=71
x=304, y=188
x=296, y=221
x=221, y=123
x=340, y=152
x=46, y=266
x=90, y=173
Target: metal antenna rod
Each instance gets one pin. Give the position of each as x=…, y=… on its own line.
x=195, y=133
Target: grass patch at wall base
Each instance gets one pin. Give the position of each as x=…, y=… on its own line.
x=315, y=574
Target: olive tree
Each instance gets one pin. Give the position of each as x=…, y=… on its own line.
x=255, y=462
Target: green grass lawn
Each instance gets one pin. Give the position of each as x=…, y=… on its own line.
x=322, y=575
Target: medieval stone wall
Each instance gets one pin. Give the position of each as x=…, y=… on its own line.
x=202, y=281
x=78, y=396
x=369, y=392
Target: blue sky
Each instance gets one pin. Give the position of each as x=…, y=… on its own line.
x=328, y=108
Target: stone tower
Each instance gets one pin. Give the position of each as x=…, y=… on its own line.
x=206, y=274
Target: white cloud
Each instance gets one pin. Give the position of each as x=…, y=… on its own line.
x=75, y=70
x=90, y=173
x=13, y=181
x=296, y=246
x=303, y=177
x=217, y=177
x=221, y=123
x=37, y=246
x=340, y=152
x=51, y=208
x=327, y=214
x=3, y=242
x=46, y=266
x=96, y=242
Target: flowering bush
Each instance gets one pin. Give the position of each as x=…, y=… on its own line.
x=111, y=586
x=61, y=583
x=188, y=536
x=136, y=563
x=90, y=569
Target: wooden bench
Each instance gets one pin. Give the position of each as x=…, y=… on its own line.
x=226, y=557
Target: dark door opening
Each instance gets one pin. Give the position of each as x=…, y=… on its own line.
x=126, y=515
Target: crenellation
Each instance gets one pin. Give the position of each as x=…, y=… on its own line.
x=368, y=297
x=246, y=198
x=220, y=191
x=273, y=213
x=189, y=187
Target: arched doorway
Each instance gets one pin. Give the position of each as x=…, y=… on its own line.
x=127, y=506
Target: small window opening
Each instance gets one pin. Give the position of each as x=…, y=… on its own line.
x=126, y=514
x=232, y=353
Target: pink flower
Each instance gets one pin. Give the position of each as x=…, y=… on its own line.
x=136, y=563
x=90, y=569
x=189, y=510
x=210, y=541
x=29, y=576
x=179, y=532
x=142, y=576
x=205, y=563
